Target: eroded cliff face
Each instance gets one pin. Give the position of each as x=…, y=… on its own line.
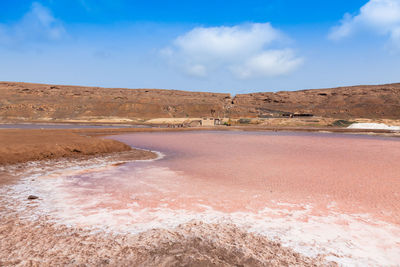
x=39, y=101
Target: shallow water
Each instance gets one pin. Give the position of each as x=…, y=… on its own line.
x=330, y=194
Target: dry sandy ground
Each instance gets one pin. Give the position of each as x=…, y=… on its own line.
x=17, y=146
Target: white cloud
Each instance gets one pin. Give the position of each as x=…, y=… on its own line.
x=37, y=25
x=377, y=16
x=247, y=51
x=268, y=63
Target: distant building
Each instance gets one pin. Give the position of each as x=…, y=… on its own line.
x=210, y=122
x=207, y=122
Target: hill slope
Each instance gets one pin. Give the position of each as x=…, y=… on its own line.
x=373, y=101
x=27, y=101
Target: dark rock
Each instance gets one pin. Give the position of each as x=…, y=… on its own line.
x=31, y=197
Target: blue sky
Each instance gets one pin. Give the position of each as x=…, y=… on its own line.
x=222, y=46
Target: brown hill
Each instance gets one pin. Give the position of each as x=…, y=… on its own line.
x=39, y=101
x=366, y=101
x=27, y=101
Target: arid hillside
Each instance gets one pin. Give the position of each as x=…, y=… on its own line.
x=367, y=101
x=40, y=102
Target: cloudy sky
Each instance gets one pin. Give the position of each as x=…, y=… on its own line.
x=209, y=45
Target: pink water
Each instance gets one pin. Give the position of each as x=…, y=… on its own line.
x=227, y=170
x=321, y=193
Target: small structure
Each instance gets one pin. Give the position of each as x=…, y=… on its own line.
x=207, y=122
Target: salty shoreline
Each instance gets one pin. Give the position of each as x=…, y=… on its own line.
x=190, y=244
x=49, y=242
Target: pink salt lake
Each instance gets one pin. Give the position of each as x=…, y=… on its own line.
x=333, y=194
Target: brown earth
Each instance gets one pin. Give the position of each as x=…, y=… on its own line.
x=374, y=101
x=41, y=102
x=17, y=146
